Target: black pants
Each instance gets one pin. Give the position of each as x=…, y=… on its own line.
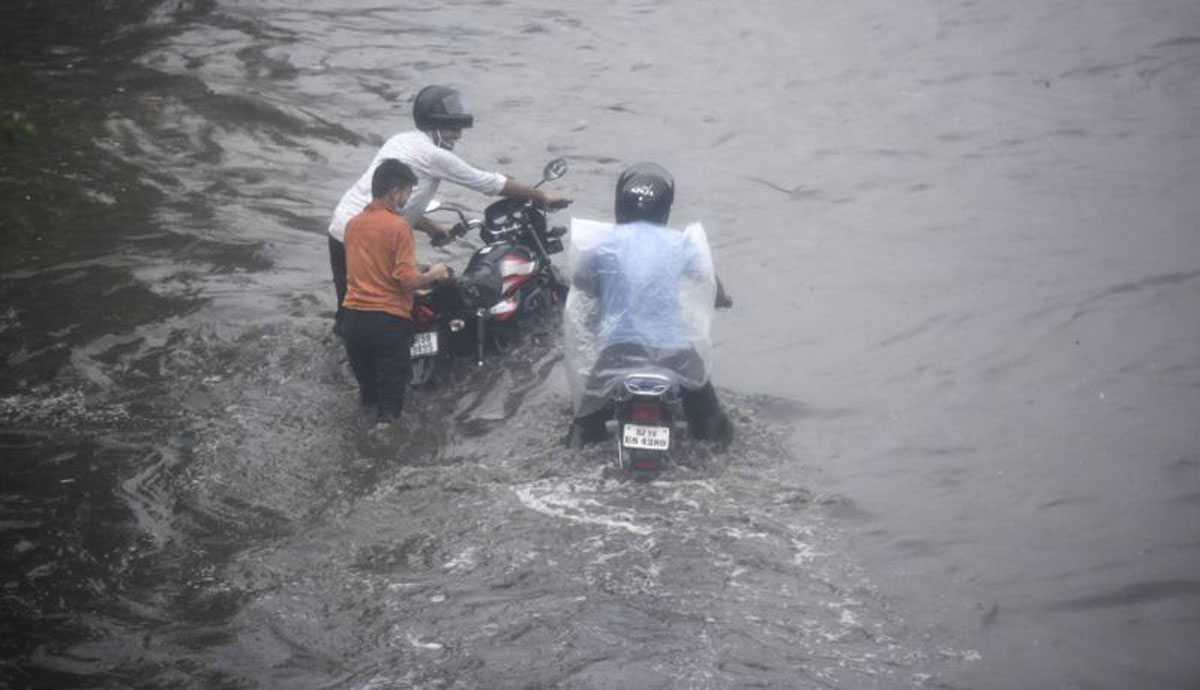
x=378, y=345
x=337, y=262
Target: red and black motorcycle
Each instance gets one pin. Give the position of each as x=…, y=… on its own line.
x=507, y=280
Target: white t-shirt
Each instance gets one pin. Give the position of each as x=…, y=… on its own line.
x=430, y=163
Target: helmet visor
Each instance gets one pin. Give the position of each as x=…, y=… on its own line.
x=451, y=112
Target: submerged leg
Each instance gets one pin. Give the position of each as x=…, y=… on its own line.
x=358, y=341
x=393, y=367
x=337, y=265
x=705, y=418
x=587, y=429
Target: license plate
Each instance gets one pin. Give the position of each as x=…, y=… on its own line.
x=424, y=344
x=646, y=437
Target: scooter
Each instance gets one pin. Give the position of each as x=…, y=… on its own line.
x=648, y=405
x=507, y=280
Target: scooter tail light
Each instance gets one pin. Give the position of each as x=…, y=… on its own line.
x=645, y=412
x=646, y=465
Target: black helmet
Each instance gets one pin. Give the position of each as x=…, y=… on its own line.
x=440, y=107
x=644, y=192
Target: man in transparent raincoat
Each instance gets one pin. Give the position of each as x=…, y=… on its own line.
x=641, y=300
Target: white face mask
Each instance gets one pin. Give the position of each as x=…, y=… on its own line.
x=403, y=203
x=442, y=142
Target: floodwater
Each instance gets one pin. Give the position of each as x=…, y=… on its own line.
x=964, y=358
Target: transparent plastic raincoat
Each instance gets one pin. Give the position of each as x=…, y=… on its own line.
x=641, y=300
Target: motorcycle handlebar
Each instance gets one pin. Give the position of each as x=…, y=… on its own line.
x=724, y=299
x=464, y=226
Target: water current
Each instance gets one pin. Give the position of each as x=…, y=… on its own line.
x=963, y=361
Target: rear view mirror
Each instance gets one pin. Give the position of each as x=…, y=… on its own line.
x=554, y=169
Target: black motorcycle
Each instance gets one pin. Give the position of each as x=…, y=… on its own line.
x=507, y=280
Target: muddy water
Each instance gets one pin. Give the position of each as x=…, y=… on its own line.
x=963, y=358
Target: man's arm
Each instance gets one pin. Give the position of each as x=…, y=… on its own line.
x=448, y=166
x=516, y=190
x=434, y=274
x=700, y=264
x=438, y=234
x=404, y=265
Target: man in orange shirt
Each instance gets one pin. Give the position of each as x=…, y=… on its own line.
x=381, y=277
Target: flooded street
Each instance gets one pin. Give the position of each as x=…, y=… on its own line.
x=963, y=361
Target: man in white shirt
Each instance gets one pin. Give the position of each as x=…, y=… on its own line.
x=440, y=118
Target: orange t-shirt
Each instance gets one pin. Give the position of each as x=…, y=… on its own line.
x=381, y=268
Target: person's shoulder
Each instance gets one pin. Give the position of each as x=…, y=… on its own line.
x=377, y=214
x=398, y=224
x=404, y=142
x=646, y=230
x=406, y=135
x=381, y=223
x=355, y=222
x=361, y=215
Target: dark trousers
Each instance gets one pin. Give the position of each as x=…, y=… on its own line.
x=378, y=345
x=337, y=262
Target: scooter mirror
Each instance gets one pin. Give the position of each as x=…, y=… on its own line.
x=554, y=169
